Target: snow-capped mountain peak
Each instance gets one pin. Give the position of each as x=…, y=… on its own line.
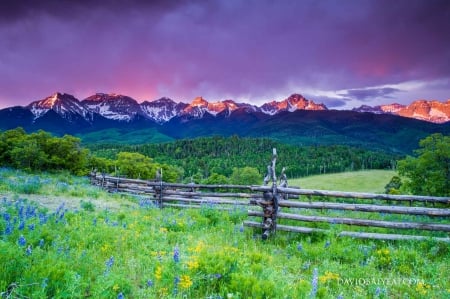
x=162, y=110
x=291, y=104
x=63, y=104
x=113, y=106
x=433, y=111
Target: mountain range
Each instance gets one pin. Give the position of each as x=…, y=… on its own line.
x=295, y=120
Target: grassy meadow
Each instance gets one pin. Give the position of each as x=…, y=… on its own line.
x=85, y=243
x=371, y=181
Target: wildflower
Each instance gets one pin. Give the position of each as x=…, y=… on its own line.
x=158, y=273
x=120, y=296
x=314, y=283
x=241, y=229
x=41, y=243
x=9, y=228
x=110, y=262
x=176, y=254
x=377, y=292
x=44, y=283
x=299, y=247
x=149, y=283
x=328, y=276
x=6, y=216
x=21, y=225
x=422, y=287
x=185, y=281
x=22, y=241
x=327, y=244
x=192, y=264
x=116, y=287
x=176, y=281
x=29, y=250
x=31, y=226
x=340, y=296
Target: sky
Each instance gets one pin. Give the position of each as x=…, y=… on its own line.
x=344, y=53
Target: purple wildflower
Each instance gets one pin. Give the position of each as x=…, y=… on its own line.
x=314, y=283
x=22, y=241
x=176, y=254
x=29, y=250
x=21, y=225
x=6, y=216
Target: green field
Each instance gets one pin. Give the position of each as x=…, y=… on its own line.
x=62, y=238
x=372, y=181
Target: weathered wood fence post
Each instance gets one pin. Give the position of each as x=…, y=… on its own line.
x=271, y=199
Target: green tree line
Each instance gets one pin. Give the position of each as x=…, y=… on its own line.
x=40, y=151
x=203, y=157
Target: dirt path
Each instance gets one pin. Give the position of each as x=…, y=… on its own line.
x=52, y=202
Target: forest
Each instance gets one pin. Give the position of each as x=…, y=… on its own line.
x=202, y=157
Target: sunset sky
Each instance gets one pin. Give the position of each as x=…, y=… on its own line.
x=341, y=53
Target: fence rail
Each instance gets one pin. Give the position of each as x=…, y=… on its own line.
x=305, y=206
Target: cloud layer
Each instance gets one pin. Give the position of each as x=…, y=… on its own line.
x=343, y=53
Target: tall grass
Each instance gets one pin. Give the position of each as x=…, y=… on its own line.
x=147, y=252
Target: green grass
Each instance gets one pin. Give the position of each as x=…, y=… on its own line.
x=372, y=181
x=142, y=251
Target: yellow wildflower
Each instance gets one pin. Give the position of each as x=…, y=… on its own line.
x=105, y=248
x=422, y=287
x=158, y=273
x=192, y=264
x=185, y=282
x=116, y=288
x=163, y=229
x=328, y=276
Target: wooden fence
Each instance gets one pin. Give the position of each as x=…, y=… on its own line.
x=302, y=210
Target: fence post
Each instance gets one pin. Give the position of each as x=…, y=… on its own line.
x=270, y=208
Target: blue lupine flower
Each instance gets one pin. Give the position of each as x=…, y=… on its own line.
x=43, y=218
x=22, y=241
x=6, y=216
x=377, y=292
x=31, y=226
x=120, y=296
x=9, y=228
x=29, y=250
x=41, y=243
x=149, y=283
x=314, y=283
x=21, y=225
x=176, y=281
x=176, y=254
x=109, y=263
x=340, y=296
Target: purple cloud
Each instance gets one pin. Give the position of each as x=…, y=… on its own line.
x=253, y=50
x=371, y=93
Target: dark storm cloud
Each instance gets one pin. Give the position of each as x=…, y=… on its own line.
x=219, y=49
x=371, y=93
x=330, y=102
